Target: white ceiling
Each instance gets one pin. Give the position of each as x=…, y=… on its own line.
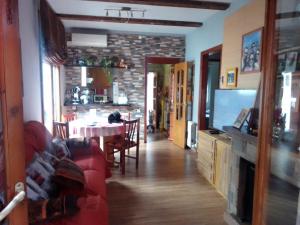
x=93, y=8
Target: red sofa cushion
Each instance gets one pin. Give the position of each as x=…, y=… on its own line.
x=95, y=162
x=93, y=211
x=36, y=138
x=92, y=184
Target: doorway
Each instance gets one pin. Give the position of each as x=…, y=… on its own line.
x=209, y=82
x=158, y=101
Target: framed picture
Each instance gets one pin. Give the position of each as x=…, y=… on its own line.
x=241, y=118
x=291, y=62
x=231, y=78
x=251, y=51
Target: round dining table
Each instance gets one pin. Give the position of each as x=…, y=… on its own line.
x=98, y=128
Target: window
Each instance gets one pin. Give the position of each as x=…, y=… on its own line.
x=51, y=94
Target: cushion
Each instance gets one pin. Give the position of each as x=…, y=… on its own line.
x=34, y=191
x=93, y=211
x=94, y=183
x=68, y=176
x=59, y=148
x=91, y=163
x=41, y=172
x=36, y=138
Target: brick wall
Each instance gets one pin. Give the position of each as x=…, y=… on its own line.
x=133, y=49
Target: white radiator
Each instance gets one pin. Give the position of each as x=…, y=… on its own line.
x=191, y=134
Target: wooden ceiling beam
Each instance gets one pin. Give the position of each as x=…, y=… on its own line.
x=129, y=21
x=288, y=15
x=174, y=3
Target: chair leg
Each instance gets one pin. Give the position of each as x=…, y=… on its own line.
x=122, y=161
x=137, y=157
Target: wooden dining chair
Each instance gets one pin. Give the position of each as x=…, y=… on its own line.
x=129, y=139
x=61, y=129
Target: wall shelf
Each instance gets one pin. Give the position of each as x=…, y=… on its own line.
x=97, y=66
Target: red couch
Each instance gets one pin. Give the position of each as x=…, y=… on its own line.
x=93, y=207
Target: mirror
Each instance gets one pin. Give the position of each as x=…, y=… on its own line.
x=96, y=78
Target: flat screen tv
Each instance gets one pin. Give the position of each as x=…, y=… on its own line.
x=228, y=104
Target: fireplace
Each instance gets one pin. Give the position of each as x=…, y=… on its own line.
x=245, y=191
x=283, y=194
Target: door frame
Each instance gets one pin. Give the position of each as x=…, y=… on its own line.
x=11, y=92
x=154, y=60
x=268, y=81
x=203, y=83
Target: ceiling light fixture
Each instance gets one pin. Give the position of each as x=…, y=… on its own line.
x=128, y=11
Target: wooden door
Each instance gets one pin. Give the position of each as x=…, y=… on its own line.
x=277, y=180
x=12, y=159
x=180, y=122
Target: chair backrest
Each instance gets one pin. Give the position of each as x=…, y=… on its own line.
x=61, y=129
x=69, y=117
x=132, y=130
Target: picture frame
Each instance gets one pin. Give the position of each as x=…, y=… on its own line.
x=251, y=51
x=231, y=77
x=241, y=118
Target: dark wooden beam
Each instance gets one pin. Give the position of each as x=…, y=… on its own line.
x=288, y=15
x=130, y=20
x=174, y=3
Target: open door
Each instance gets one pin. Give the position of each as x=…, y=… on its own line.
x=12, y=159
x=181, y=71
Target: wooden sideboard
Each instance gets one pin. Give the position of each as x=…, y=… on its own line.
x=214, y=159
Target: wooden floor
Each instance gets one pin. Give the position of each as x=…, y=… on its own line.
x=166, y=190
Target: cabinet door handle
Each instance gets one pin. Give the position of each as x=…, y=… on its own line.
x=19, y=197
x=13, y=204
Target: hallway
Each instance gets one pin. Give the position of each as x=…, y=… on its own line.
x=167, y=190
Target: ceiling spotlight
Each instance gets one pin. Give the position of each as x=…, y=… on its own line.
x=128, y=11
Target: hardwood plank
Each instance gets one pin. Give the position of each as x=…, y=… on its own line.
x=175, y=3
x=129, y=21
x=167, y=189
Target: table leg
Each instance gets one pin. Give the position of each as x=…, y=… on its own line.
x=108, y=150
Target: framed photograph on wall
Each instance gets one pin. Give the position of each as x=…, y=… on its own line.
x=251, y=51
x=241, y=118
x=231, y=78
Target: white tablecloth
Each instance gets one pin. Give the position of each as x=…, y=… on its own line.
x=100, y=128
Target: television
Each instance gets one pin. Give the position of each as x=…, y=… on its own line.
x=228, y=104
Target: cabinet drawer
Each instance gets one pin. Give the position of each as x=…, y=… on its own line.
x=205, y=155
x=208, y=174
x=206, y=145
x=209, y=165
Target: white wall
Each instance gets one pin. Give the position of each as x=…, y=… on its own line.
x=32, y=102
x=209, y=35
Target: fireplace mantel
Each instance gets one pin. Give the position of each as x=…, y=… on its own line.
x=285, y=165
